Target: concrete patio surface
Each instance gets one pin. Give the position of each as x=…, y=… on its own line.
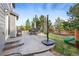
x=47, y=53
x=32, y=45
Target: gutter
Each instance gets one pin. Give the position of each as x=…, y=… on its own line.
x=15, y=14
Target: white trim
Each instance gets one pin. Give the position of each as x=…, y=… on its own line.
x=6, y=26
x=15, y=25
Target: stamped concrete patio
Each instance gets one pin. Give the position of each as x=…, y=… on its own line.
x=32, y=46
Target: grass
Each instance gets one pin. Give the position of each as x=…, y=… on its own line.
x=59, y=47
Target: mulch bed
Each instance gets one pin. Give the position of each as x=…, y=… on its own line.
x=56, y=53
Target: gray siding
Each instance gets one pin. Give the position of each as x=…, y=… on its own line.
x=2, y=28
x=5, y=25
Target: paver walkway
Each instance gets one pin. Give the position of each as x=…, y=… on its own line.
x=32, y=45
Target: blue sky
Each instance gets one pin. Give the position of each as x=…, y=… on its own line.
x=29, y=10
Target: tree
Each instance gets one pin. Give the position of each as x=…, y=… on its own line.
x=42, y=19
x=50, y=24
x=74, y=11
x=59, y=25
x=66, y=25
x=74, y=14
x=27, y=24
x=39, y=23
x=35, y=18
x=36, y=22
x=32, y=24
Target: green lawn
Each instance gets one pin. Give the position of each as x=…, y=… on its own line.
x=70, y=50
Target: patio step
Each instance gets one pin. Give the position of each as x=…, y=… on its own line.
x=12, y=51
x=47, y=53
x=14, y=54
x=12, y=46
x=12, y=42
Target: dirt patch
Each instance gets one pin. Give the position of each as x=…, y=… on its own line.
x=56, y=53
x=41, y=34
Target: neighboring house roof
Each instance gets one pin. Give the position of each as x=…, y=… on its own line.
x=15, y=14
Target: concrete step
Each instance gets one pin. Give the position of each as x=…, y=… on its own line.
x=12, y=42
x=47, y=53
x=14, y=54
x=11, y=51
x=12, y=39
x=12, y=46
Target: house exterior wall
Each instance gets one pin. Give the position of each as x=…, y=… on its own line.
x=2, y=28
x=5, y=9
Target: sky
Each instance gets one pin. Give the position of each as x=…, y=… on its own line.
x=29, y=10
